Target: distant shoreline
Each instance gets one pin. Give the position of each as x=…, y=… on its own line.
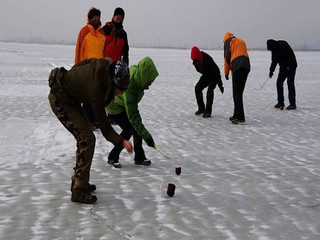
x=42, y=42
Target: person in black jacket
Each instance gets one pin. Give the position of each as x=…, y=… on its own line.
x=210, y=78
x=282, y=54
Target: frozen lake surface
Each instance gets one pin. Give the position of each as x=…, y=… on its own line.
x=255, y=181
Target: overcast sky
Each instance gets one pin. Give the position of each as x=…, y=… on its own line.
x=169, y=23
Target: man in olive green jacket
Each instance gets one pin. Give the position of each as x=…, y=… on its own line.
x=95, y=82
x=124, y=111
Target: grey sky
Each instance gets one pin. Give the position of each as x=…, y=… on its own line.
x=169, y=23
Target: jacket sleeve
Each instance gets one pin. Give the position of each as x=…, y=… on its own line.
x=80, y=38
x=131, y=105
x=274, y=62
x=126, y=50
x=227, y=58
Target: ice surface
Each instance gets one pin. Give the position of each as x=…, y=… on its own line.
x=255, y=181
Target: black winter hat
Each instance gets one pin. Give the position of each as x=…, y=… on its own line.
x=93, y=12
x=119, y=71
x=118, y=11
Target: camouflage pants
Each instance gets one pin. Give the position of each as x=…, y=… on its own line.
x=69, y=113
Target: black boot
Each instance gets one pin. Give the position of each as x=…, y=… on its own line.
x=292, y=107
x=91, y=187
x=279, y=105
x=82, y=196
x=199, y=112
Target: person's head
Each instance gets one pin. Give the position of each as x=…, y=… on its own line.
x=119, y=71
x=196, y=57
x=118, y=17
x=271, y=44
x=94, y=15
x=227, y=35
x=147, y=72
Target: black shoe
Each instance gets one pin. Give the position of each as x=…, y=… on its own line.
x=114, y=163
x=145, y=162
x=206, y=115
x=291, y=107
x=279, y=105
x=91, y=187
x=82, y=196
x=237, y=121
x=232, y=118
x=199, y=112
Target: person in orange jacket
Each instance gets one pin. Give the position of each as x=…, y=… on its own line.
x=236, y=60
x=90, y=44
x=117, y=47
x=91, y=39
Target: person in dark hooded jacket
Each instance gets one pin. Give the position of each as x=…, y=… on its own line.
x=282, y=54
x=210, y=78
x=95, y=82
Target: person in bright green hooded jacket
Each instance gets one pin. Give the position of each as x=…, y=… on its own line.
x=124, y=112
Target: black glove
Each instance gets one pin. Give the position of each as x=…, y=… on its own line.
x=150, y=142
x=270, y=74
x=227, y=77
x=221, y=88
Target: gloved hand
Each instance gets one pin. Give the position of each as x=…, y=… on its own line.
x=227, y=77
x=150, y=142
x=270, y=74
x=221, y=88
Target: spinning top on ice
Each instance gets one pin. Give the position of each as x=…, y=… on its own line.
x=178, y=170
x=171, y=189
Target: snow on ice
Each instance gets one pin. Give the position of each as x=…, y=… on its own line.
x=255, y=181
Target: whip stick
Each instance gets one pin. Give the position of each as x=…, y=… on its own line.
x=161, y=151
x=265, y=82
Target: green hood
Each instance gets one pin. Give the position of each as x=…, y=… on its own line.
x=143, y=73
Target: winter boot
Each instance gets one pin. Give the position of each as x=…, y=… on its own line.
x=279, y=105
x=206, y=114
x=237, y=121
x=82, y=196
x=114, y=163
x=232, y=118
x=199, y=112
x=145, y=162
x=291, y=107
x=91, y=187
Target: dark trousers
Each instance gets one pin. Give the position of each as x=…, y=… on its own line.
x=89, y=114
x=127, y=131
x=70, y=114
x=239, y=79
x=202, y=84
x=290, y=75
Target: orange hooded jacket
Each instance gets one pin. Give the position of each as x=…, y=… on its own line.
x=235, y=54
x=90, y=43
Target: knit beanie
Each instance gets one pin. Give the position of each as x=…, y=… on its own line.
x=196, y=54
x=93, y=12
x=118, y=11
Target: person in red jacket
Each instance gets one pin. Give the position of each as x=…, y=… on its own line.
x=236, y=60
x=210, y=78
x=117, y=47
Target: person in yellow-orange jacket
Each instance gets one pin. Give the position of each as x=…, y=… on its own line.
x=236, y=60
x=90, y=44
x=91, y=39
